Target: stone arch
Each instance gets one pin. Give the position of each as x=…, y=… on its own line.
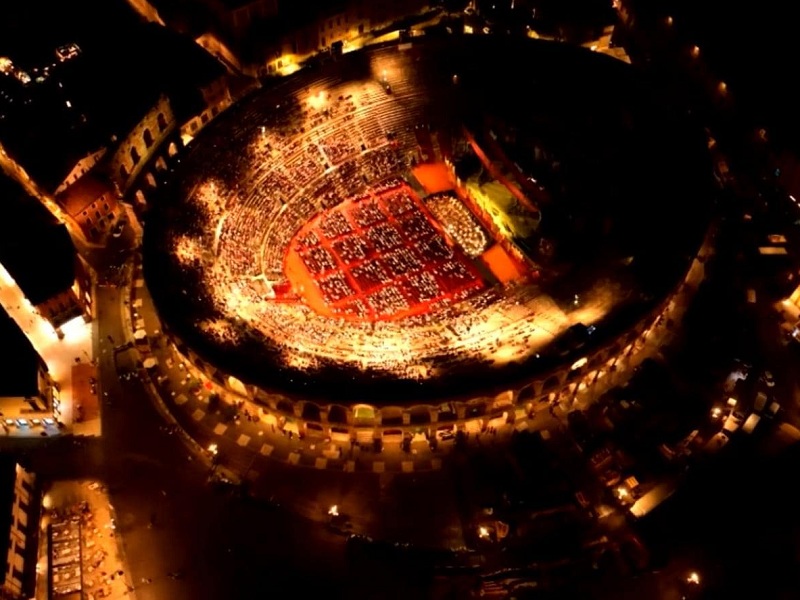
x=172, y=149
x=147, y=136
x=162, y=122
x=447, y=412
x=140, y=197
x=419, y=415
x=527, y=394
x=551, y=383
x=337, y=414
x=391, y=415
x=364, y=414
x=161, y=164
x=574, y=374
x=135, y=155
x=476, y=408
x=311, y=412
x=285, y=406
x=151, y=180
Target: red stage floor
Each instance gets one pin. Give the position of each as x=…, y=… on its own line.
x=382, y=256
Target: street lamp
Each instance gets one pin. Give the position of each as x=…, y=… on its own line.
x=693, y=578
x=483, y=532
x=333, y=511
x=213, y=450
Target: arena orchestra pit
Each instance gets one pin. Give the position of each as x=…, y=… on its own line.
x=424, y=222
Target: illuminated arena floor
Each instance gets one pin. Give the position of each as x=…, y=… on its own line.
x=382, y=256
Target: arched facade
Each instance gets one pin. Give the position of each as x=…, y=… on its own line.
x=151, y=144
x=603, y=368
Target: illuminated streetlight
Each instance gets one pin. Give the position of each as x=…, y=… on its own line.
x=693, y=578
x=483, y=532
x=333, y=511
x=695, y=51
x=213, y=449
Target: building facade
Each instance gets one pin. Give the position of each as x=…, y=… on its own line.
x=19, y=571
x=155, y=136
x=92, y=204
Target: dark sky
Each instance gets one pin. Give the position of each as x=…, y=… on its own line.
x=754, y=47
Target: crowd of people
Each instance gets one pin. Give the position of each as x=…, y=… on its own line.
x=459, y=222
x=307, y=151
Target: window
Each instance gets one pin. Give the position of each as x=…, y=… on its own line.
x=135, y=155
x=162, y=122
x=148, y=138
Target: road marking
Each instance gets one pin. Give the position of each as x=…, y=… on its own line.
x=198, y=414
x=220, y=428
x=407, y=466
x=243, y=440
x=266, y=449
x=378, y=466
x=436, y=464
x=294, y=458
x=321, y=462
x=350, y=466
x=181, y=399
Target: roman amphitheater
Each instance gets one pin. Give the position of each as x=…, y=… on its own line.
x=431, y=235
